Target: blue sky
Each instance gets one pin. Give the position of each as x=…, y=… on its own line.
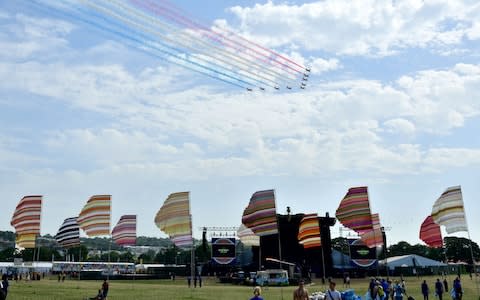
x=392, y=103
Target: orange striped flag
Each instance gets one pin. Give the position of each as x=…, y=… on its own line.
x=94, y=218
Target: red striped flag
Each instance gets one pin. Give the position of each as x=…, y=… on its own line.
x=26, y=220
x=354, y=210
x=431, y=234
x=261, y=214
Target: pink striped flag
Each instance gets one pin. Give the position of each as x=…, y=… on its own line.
x=125, y=232
x=374, y=237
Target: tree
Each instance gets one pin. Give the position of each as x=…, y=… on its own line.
x=7, y=236
x=127, y=257
x=7, y=254
x=341, y=244
x=458, y=249
x=147, y=257
x=81, y=250
x=114, y=256
x=203, y=255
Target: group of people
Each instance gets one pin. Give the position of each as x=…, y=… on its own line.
x=380, y=289
x=442, y=287
x=301, y=293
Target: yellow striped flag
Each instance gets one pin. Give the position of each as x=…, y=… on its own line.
x=94, y=218
x=174, y=219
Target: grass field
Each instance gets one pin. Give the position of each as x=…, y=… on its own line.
x=166, y=289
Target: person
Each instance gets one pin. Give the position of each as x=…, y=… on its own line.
x=439, y=289
x=301, y=292
x=457, y=289
x=189, y=280
x=99, y=296
x=380, y=291
x=391, y=291
x=398, y=291
x=105, y=289
x=425, y=290
x=332, y=293
x=2, y=294
x=445, y=285
x=257, y=291
x=386, y=288
x=347, y=281
x=5, y=285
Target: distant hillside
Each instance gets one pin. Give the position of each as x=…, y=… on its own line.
x=7, y=239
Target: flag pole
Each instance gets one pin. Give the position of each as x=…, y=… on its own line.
x=34, y=250
x=279, y=240
x=79, y=262
x=323, y=267
x=474, y=265
x=110, y=239
x=260, y=255
x=376, y=253
x=471, y=251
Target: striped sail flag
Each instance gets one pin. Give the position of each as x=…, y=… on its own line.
x=125, y=232
x=430, y=233
x=174, y=219
x=26, y=240
x=26, y=221
x=448, y=210
x=68, y=234
x=94, y=218
x=373, y=237
x=309, y=231
x=261, y=215
x=247, y=237
x=354, y=210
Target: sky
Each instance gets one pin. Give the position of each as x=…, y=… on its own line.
x=392, y=104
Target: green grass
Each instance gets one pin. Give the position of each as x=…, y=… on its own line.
x=166, y=289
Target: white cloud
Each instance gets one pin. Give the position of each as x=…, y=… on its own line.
x=400, y=125
x=362, y=27
x=334, y=126
x=444, y=158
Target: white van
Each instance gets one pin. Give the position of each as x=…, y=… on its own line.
x=272, y=277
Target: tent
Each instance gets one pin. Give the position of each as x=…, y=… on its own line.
x=411, y=261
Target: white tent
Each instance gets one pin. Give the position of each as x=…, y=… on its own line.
x=411, y=260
